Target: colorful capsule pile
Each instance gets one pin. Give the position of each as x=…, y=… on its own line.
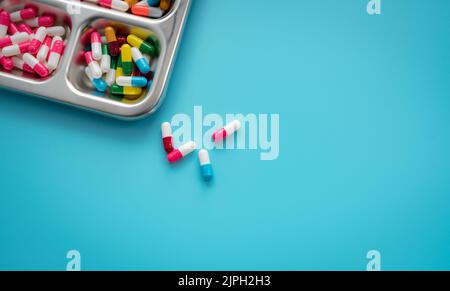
x=30, y=41
x=120, y=62
x=176, y=154
x=146, y=8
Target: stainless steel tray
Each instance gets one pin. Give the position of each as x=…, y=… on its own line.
x=62, y=85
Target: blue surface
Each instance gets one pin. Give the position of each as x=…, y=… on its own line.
x=364, y=105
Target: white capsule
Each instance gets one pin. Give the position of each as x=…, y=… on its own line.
x=56, y=31
x=96, y=48
x=95, y=69
x=105, y=63
x=166, y=129
x=110, y=77
x=19, y=37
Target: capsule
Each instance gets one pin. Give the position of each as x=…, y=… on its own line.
x=93, y=65
x=105, y=63
x=165, y=4
x=181, y=152
x=111, y=39
x=132, y=2
x=127, y=63
x=96, y=46
x=227, y=130
x=141, y=62
x=205, y=165
x=4, y=23
x=37, y=40
x=114, y=4
x=20, y=64
x=151, y=2
x=130, y=91
x=16, y=49
x=145, y=10
x=44, y=49
x=141, y=45
x=45, y=21
x=119, y=71
x=37, y=66
x=56, y=31
x=25, y=28
x=99, y=84
x=166, y=131
x=55, y=53
x=6, y=62
x=12, y=28
x=14, y=39
x=133, y=81
x=85, y=38
x=110, y=77
x=22, y=14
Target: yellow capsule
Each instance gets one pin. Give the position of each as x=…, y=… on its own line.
x=165, y=4
x=132, y=91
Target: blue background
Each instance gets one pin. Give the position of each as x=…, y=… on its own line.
x=364, y=104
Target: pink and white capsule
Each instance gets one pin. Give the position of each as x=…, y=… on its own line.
x=4, y=23
x=37, y=40
x=56, y=31
x=115, y=4
x=6, y=62
x=37, y=66
x=181, y=152
x=55, y=53
x=16, y=49
x=45, y=21
x=20, y=64
x=23, y=14
x=44, y=49
x=96, y=46
x=14, y=39
x=12, y=28
x=25, y=28
x=93, y=65
x=227, y=130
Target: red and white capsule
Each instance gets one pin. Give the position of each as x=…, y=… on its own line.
x=36, y=65
x=96, y=46
x=166, y=130
x=4, y=23
x=16, y=49
x=55, y=53
x=93, y=65
x=227, y=130
x=6, y=62
x=20, y=64
x=37, y=40
x=181, y=152
x=45, y=21
x=22, y=14
x=14, y=39
x=44, y=49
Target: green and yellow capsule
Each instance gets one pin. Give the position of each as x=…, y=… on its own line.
x=128, y=91
x=127, y=61
x=143, y=46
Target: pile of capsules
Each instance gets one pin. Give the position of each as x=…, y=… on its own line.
x=147, y=8
x=174, y=155
x=125, y=61
x=29, y=41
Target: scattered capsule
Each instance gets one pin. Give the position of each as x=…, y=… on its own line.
x=166, y=130
x=145, y=10
x=55, y=53
x=165, y=4
x=22, y=14
x=44, y=49
x=6, y=62
x=181, y=152
x=37, y=40
x=141, y=45
x=23, y=27
x=16, y=49
x=96, y=46
x=111, y=39
x=37, y=66
x=110, y=77
x=105, y=63
x=127, y=64
x=130, y=91
x=20, y=64
x=56, y=31
x=14, y=39
x=45, y=21
x=93, y=65
x=133, y=81
x=4, y=23
x=99, y=84
x=114, y=4
x=227, y=130
x=205, y=164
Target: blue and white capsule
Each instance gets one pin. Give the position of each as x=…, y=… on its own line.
x=131, y=81
x=205, y=165
x=99, y=84
x=141, y=62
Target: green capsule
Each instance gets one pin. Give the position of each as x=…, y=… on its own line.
x=113, y=64
x=105, y=49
